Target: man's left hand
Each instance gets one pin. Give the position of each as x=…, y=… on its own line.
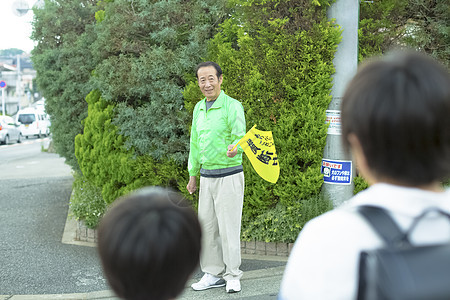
x=231, y=153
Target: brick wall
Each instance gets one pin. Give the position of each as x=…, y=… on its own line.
x=85, y=234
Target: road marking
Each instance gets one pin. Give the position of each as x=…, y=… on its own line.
x=28, y=142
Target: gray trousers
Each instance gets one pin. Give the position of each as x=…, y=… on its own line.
x=220, y=214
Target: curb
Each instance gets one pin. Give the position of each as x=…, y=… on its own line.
x=70, y=234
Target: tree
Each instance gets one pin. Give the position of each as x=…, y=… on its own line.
x=428, y=28
x=11, y=52
x=144, y=51
x=63, y=31
x=418, y=24
x=277, y=60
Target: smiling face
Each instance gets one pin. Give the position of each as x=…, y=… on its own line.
x=209, y=83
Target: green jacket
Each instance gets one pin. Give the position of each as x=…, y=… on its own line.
x=211, y=133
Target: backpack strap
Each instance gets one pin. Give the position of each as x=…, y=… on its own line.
x=383, y=224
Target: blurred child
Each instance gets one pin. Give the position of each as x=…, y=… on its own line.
x=396, y=121
x=149, y=244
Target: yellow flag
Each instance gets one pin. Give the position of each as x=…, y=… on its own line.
x=260, y=149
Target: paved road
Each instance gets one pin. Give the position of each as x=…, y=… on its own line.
x=35, y=264
x=33, y=211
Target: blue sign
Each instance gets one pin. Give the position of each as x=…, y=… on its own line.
x=336, y=171
x=2, y=84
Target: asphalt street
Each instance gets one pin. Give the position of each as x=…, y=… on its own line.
x=36, y=264
x=33, y=212
x=33, y=259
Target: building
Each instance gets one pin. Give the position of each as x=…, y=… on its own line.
x=18, y=73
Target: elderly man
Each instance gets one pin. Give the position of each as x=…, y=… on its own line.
x=218, y=124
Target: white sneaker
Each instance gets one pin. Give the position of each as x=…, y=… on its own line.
x=208, y=281
x=233, y=286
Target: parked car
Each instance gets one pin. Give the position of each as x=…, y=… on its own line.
x=9, y=130
x=39, y=105
x=33, y=122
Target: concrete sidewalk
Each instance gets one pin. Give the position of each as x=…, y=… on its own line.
x=260, y=284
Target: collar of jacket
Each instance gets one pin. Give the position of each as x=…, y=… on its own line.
x=217, y=104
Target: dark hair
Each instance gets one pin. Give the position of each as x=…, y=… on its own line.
x=209, y=64
x=399, y=109
x=149, y=244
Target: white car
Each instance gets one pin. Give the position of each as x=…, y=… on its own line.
x=9, y=130
x=33, y=122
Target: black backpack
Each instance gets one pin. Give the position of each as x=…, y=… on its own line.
x=401, y=270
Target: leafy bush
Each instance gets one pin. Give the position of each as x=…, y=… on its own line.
x=419, y=24
x=277, y=60
x=144, y=51
x=283, y=224
x=63, y=31
x=165, y=173
x=111, y=168
x=100, y=151
x=360, y=184
x=86, y=202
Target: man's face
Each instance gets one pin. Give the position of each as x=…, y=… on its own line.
x=209, y=83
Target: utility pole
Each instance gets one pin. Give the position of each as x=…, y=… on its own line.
x=19, y=81
x=3, y=88
x=337, y=165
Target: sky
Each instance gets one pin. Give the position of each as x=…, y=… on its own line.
x=15, y=31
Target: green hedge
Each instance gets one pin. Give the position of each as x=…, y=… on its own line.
x=279, y=65
x=137, y=59
x=100, y=151
x=63, y=32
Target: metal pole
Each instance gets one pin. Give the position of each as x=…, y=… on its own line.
x=19, y=82
x=3, y=101
x=337, y=165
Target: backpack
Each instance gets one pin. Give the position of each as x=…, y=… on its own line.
x=401, y=270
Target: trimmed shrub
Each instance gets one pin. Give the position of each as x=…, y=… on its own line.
x=100, y=151
x=281, y=223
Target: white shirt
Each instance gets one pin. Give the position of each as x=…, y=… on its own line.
x=324, y=261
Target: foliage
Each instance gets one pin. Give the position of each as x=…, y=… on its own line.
x=281, y=223
x=11, y=52
x=133, y=62
x=277, y=60
x=142, y=66
x=165, y=173
x=109, y=168
x=86, y=202
x=360, y=184
x=420, y=24
x=63, y=64
x=381, y=26
x=100, y=151
x=429, y=28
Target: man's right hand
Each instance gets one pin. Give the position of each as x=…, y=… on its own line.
x=192, y=184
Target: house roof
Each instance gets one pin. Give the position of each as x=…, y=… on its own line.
x=6, y=67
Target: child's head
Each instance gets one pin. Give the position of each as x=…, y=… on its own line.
x=149, y=244
x=398, y=109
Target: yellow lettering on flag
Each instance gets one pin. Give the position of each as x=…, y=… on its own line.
x=259, y=147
